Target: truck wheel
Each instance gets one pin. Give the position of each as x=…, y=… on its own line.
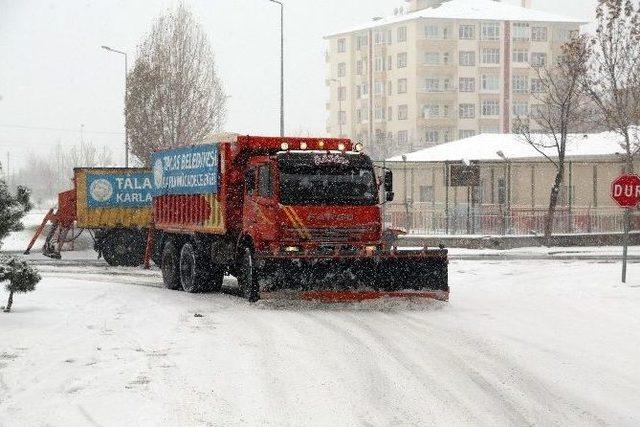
x=123, y=248
x=169, y=265
x=248, y=278
x=216, y=277
x=194, y=274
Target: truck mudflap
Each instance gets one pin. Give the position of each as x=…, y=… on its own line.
x=406, y=274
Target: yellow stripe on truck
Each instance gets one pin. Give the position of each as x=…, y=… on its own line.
x=295, y=220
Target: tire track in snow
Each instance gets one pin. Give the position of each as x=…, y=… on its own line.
x=373, y=373
x=428, y=381
x=531, y=388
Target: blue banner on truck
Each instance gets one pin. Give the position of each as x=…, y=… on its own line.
x=186, y=170
x=111, y=190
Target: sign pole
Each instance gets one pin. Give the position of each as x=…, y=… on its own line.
x=625, y=244
x=625, y=190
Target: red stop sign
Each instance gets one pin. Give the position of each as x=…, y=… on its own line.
x=625, y=190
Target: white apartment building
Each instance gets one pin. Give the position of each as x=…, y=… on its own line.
x=442, y=71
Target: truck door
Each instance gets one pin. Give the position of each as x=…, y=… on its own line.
x=265, y=203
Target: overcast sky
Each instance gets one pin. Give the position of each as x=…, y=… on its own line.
x=53, y=74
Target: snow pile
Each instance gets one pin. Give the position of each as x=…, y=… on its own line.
x=520, y=343
x=485, y=147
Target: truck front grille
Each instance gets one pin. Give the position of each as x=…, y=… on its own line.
x=332, y=235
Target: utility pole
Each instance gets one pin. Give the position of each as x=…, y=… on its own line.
x=281, y=65
x=126, y=132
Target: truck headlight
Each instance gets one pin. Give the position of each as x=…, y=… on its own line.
x=370, y=249
x=291, y=249
x=359, y=147
x=303, y=145
x=284, y=146
x=341, y=146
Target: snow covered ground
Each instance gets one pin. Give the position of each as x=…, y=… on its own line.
x=541, y=342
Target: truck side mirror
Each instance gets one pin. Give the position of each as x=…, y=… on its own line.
x=388, y=186
x=388, y=181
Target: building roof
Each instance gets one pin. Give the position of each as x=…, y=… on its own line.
x=486, y=147
x=472, y=10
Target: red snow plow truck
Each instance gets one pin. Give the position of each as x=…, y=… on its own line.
x=289, y=217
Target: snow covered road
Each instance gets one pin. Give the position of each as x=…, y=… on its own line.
x=520, y=343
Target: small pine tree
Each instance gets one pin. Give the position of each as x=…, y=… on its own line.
x=12, y=209
x=20, y=278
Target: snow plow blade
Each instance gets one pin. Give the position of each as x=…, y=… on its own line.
x=395, y=274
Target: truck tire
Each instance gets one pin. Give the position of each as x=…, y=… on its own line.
x=123, y=248
x=216, y=277
x=195, y=274
x=170, y=266
x=247, y=277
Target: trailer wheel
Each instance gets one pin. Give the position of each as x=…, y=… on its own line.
x=170, y=266
x=123, y=248
x=194, y=274
x=248, y=278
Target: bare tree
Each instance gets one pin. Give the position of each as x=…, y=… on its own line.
x=614, y=74
x=560, y=108
x=175, y=96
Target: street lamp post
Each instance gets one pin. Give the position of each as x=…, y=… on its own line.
x=281, y=65
x=126, y=132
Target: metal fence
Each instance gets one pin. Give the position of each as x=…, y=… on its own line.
x=430, y=219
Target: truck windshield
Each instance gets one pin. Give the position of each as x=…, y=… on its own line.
x=326, y=179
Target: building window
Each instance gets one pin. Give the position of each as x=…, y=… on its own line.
x=402, y=60
x=467, y=111
x=520, y=56
x=467, y=59
x=467, y=32
x=521, y=31
x=389, y=88
x=426, y=193
x=537, y=86
x=490, y=129
x=342, y=93
x=381, y=37
x=520, y=84
x=491, y=31
x=502, y=191
x=538, y=59
x=389, y=63
x=379, y=113
x=432, y=136
x=466, y=133
x=490, y=82
x=359, y=67
x=362, y=41
x=342, y=117
x=431, y=111
x=520, y=109
x=490, y=56
x=342, y=69
x=467, y=84
x=432, y=85
x=403, y=112
x=403, y=137
x=432, y=58
x=342, y=45
x=379, y=88
x=490, y=108
x=365, y=90
x=432, y=32
x=402, y=34
x=539, y=34
x=402, y=86
x=379, y=64
x=389, y=114
x=445, y=58
x=536, y=111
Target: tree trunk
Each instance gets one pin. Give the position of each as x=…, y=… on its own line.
x=9, y=303
x=553, y=203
